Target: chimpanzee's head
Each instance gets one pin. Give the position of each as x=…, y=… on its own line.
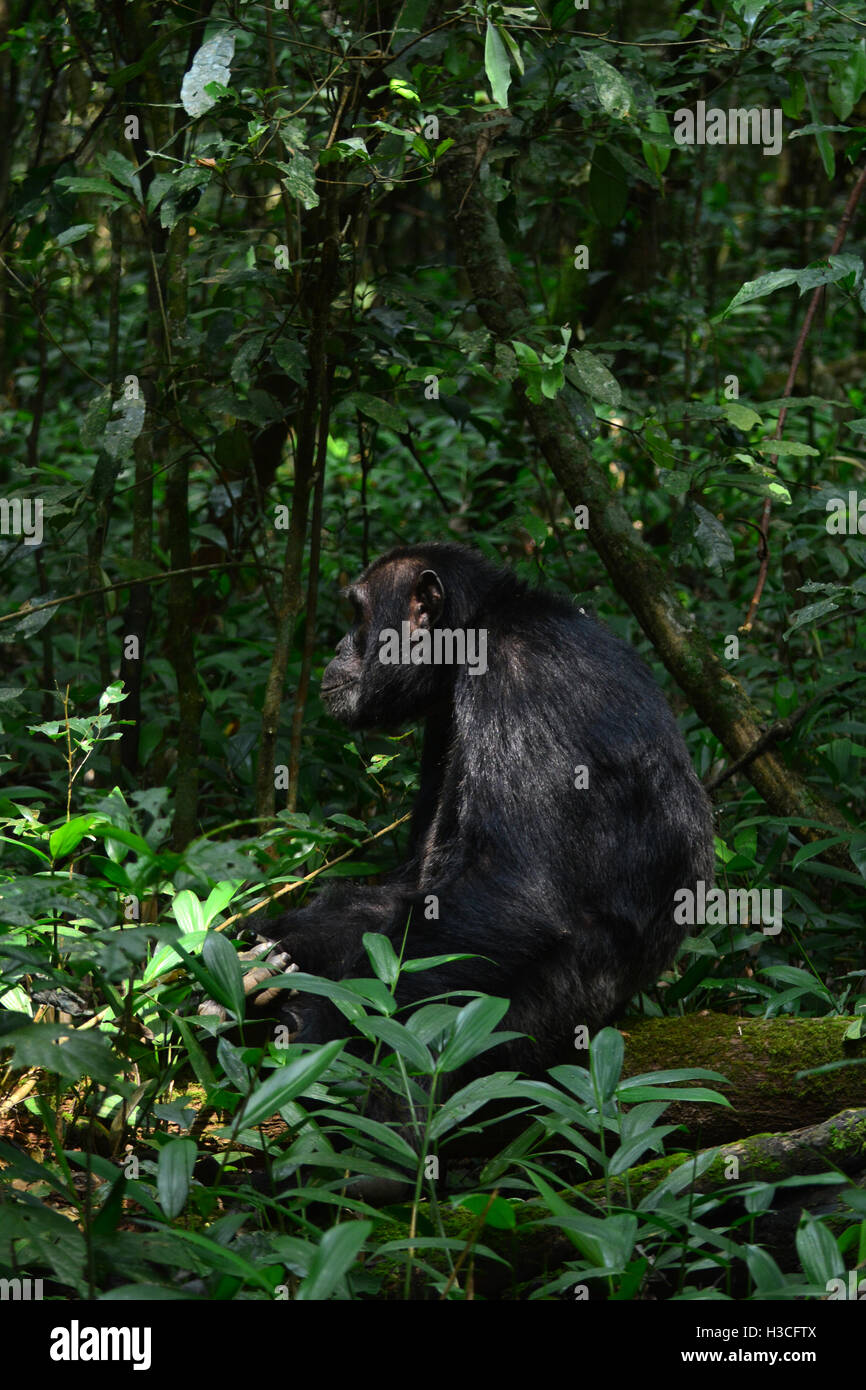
x=379, y=677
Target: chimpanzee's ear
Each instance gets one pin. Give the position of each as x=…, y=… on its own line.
x=427, y=601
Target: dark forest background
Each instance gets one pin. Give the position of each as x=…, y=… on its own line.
x=282, y=286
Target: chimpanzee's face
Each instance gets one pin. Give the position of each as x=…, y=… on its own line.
x=360, y=689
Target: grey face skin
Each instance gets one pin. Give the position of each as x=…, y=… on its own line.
x=358, y=688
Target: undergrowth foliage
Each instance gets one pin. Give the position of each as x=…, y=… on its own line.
x=186, y=1157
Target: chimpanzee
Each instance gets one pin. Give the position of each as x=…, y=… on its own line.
x=557, y=815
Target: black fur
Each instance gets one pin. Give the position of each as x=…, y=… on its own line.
x=566, y=895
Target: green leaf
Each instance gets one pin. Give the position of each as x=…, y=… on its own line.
x=791, y=448
x=497, y=65
x=72, y=234
x=497, y=1212
x=219, y=897
x=793, y=105
x=765, y=1272
x=811, y=613
x=536, y=526
x=113, y=694
x=585, y=371
x=818, y=1252
x=336, y=1254
x=756, y=289
x=286, y=1083
x=606, y=1053
x=124, y=837
x=614, y=93
x=457, y=1108
x=187, y=911
x=66, y=837
x=683, y=1176
x=472, y=1028
x=166, y=958
x=628, y=1154
x=93, y=185
x=674, y=481
x=174, y=1174
x=743, y=417
x=657, y=153
x=123, y=170
x=400, y=1040
x=857, y=850
x=411, y=967
x=300, y=179
x=204, y=1073
x=666, y=1078
x=847, y=82
x=221, y=960
x=660, y=447
x=399, y=87
x=822, y=139
x=671, y=1093
x=835, y=268
x=712, y=539
x=807, y=852
x=391, y=416
x=64, y=1051
x=383, y=958
x=232, y=1062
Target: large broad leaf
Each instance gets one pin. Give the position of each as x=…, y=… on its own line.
x=212, y=63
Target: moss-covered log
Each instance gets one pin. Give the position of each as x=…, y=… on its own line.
x=763, y=1060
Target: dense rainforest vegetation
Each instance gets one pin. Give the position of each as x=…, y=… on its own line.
x=282, y=286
